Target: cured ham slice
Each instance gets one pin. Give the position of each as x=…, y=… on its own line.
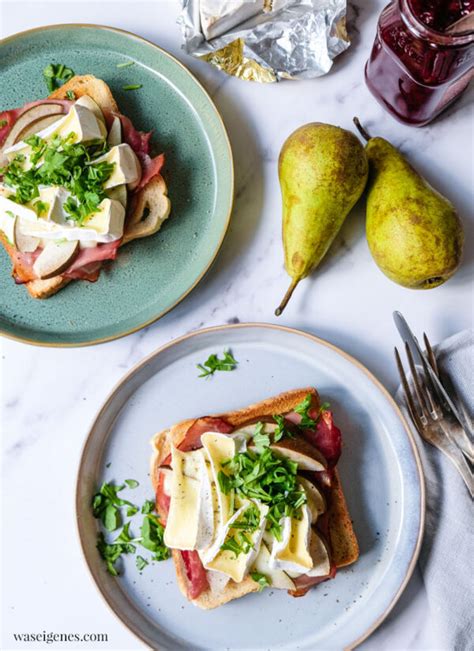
x=195, y=573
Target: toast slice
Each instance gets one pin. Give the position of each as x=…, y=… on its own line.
x=345, y=549
x=152, y=205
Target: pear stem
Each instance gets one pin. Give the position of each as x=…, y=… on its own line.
x=287, y=296
x=362, y=130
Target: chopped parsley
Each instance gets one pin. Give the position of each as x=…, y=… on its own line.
x=281, y=429
x=261, y=579
x=303, y=410
x=126, y=64
x=265, y=477
x=214, y=363
x=132, y=87
x=153, y=537
x=107, y=506
x=3, y=123
x=70, y=94
x=56, y=74
x=260, y=438
x=148, y=507
x=141, y=563
x=61, y=162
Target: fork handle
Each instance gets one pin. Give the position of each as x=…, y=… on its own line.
x=457, y=459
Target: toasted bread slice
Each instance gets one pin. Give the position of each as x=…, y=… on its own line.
x=345, y=549
x=152, y=206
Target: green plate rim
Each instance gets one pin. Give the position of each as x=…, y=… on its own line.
x=146, y=42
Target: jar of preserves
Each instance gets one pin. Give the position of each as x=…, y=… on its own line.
x=422, y=58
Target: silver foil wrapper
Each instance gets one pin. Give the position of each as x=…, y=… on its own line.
x=266, y=40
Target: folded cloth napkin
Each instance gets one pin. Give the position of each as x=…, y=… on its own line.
x=447, y=555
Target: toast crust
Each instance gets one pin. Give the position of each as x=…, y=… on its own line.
x=152, y=206
x=345, y=549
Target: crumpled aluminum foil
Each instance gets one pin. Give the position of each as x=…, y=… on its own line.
x=266, y=40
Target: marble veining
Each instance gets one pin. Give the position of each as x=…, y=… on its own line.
x=50, y=396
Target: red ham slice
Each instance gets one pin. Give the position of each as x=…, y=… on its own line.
x=162, y=500
x=304, y=583
x=192, y=438
x=326, y=437
x=195, y=573
x=11, y=116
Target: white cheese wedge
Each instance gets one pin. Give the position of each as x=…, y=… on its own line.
x=105, y=225
x=127, y=167
x=9, y=207
x=92, y=105
x=292, y=552
x=277, y=578
x=190, y=518
x=224, y=560
x=219, y=448
x=8, y=226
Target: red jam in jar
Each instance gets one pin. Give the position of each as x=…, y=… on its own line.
x=420, y=62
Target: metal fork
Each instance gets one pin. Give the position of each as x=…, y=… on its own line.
x=456, y=433
x=432, y=421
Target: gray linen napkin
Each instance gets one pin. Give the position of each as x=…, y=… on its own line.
x=447, y=555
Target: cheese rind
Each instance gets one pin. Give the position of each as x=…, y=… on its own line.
x=189, y=524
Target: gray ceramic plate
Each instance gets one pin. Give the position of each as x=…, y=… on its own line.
x=380, y=472
x=152, y=275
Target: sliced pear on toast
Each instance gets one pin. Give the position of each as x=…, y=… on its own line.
x=303, y=453
x=31, y=115
x=55, y=258
x=316, y=501
x=319, y=555
x=38, y=125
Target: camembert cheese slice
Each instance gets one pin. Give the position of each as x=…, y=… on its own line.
x=190, y=523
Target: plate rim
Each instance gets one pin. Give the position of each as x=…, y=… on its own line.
x=146, y=42
x=318, y=340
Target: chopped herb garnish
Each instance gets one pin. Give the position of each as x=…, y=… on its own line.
x=41, y=207
x=126, y=64
x=267, y=478
x=141, y=563
x=260, y=438
x=70, y=94
x=261, y=579
x=112, y=551
x=10, y=214
x=132, y=87
x=132, y=483
x=3, y=123
x=303, y=410
x=56, y=74
x=148, y=507
x=153, y=537
x=214, y=363
x=281, y=430
x=106, y=505
x=61, y=162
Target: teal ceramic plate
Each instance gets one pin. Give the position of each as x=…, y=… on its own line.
x=152, y=275
x=380, y=472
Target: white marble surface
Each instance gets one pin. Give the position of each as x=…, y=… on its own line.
x=50, y=396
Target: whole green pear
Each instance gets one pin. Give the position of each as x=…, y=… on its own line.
x=323, y=171
x=413, y=232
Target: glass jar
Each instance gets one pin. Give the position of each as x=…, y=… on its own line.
x=417, y=68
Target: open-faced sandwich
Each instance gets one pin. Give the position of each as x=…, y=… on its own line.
x=252, y=498
x=76, y=182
